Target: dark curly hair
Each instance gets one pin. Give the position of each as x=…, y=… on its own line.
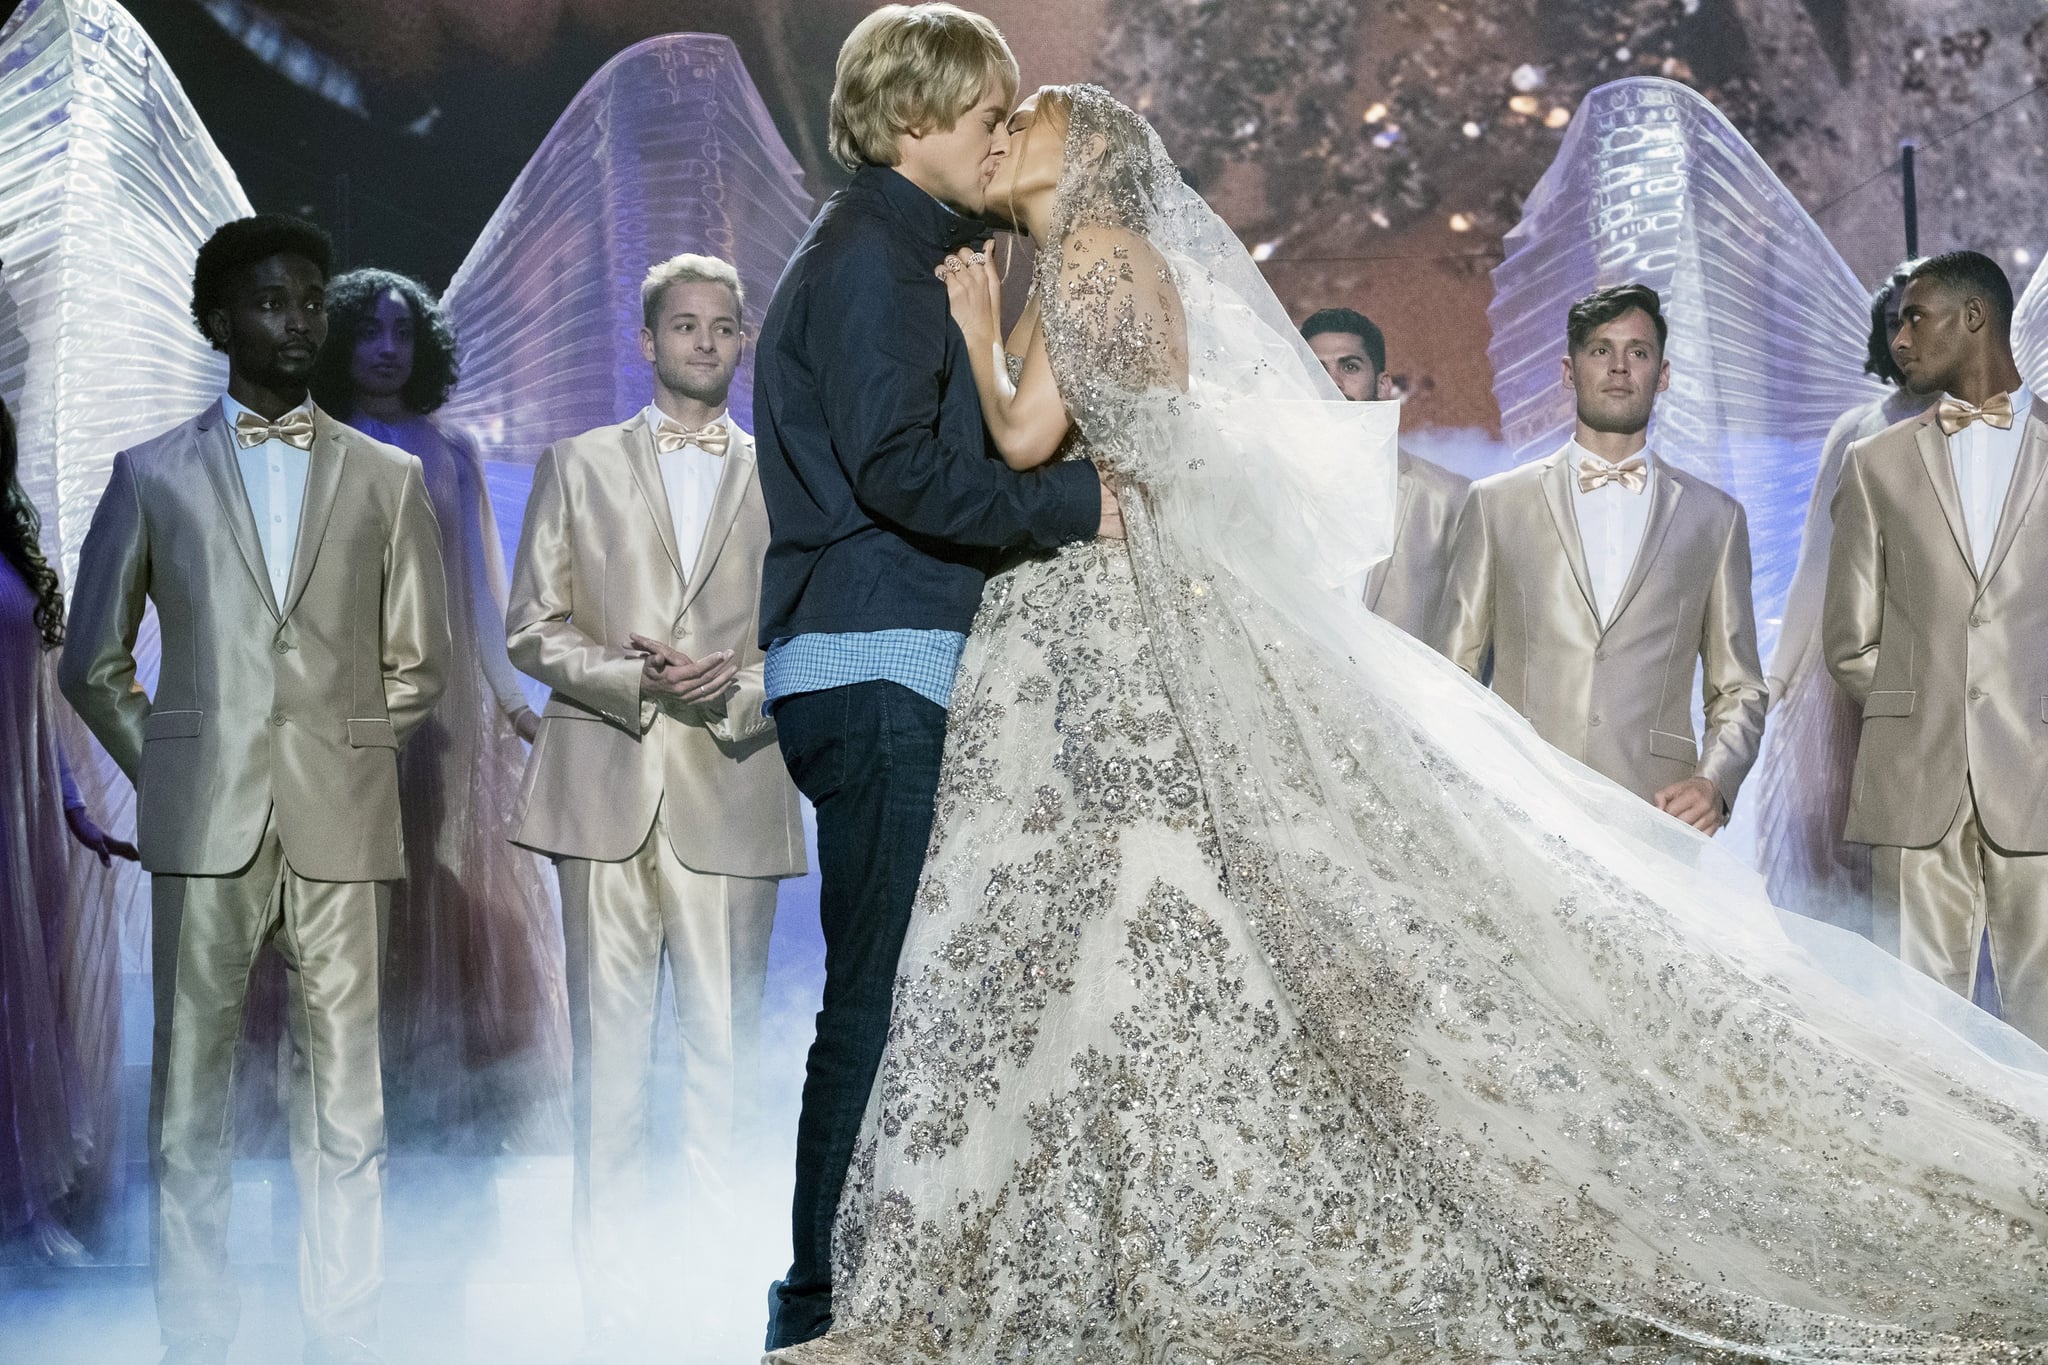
x=1878, y=361
x=236, y=246
x=1349, y=322
x=21, y=539
x=351, y=298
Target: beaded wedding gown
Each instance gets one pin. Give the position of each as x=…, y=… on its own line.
x=1274, y=995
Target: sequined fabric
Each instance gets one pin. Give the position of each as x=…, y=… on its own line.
x=1248, y=1016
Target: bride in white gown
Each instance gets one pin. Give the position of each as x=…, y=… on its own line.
x=1275, y=995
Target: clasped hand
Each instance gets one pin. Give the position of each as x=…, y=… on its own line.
x=673, y=675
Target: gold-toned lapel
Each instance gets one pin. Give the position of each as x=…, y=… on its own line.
x=1664, y=493
x=323, y=480
x=1376, y=580
x=725, y=508
x=1941, y=472
x=641, y=458
x=218, y=454
x=1557, y=495
x=2027, y=475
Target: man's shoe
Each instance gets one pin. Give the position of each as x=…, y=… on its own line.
x=342, y=1351
x=197, y=1351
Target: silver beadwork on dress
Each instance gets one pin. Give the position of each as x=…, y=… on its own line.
x=1274, y=995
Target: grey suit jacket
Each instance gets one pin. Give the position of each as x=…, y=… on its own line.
x=598, y=562
x=1950, y=667
x=1406, y=586
x=296, y=707
x=1617, y=697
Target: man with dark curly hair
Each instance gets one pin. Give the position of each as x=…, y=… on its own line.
x=296, y=572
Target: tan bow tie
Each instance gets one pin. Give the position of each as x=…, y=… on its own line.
x=671, y=436
x=294, y=429
x=1631, y=474
x=1954, y=414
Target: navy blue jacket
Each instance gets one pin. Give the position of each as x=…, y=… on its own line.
x=887, y=501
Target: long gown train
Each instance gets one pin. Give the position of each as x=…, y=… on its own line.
x=1274, y=995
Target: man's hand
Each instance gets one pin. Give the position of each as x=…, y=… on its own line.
x=1112, y=527
x=1696, y=801
x=526, y=724
x=103, y=845
x=669, y=673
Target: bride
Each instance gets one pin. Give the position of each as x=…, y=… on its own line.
x=1275, y=995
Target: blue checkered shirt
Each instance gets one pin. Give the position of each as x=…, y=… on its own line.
x=922, y=660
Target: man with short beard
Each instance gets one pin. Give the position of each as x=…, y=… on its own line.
x=296, y=571
x=655, y=783
x=1600, y=579
x=1406, y=586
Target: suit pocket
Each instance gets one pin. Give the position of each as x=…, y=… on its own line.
x=172, y=724
x=1676, y=747
x=1889, y=704
x=371, y=734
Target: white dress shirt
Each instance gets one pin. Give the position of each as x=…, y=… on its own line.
x=690, y=479
x=1611, y=525
x=274, y=478
x=1984, y=458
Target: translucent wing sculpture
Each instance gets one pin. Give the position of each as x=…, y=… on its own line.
x=108, y=184
x=1768, y=335
x=2030, y=331
x=667, y=149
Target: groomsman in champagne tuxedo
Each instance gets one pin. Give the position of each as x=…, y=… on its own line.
x=296, y=571
x=655, y=782
x=1406, y=586
x=1936, y=622
x=1600, y=579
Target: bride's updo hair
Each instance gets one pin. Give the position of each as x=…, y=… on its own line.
x=1110, y=171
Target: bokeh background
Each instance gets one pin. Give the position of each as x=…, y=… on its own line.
x=1373, y=151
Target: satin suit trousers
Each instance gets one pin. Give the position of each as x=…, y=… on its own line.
x=1933, y=906
x=621, y=923
x=207, y=932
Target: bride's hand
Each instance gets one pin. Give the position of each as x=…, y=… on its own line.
x=974, y=292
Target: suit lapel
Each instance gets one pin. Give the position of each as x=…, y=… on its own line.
x=646, y=467
x=1941, y=472
x=323, y=480
x=1664, y=496
x=1376, y=580
x=217, y=453
x=725, y=508
x=2026, y=483
x=1557, y=495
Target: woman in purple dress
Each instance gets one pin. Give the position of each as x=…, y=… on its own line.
x=59, y=989
x=475, y=1028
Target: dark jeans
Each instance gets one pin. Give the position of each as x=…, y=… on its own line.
x=867, y=756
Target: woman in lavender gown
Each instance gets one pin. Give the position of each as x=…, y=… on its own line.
x=475, y=1031
x=59, y=997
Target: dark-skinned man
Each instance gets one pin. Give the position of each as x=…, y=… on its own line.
x=1936, y=622
x=296, y=571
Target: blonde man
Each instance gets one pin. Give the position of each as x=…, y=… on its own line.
x=654, y=782
x=887, y=504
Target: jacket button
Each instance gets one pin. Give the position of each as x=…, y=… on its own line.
x=1600, y=656
x=1594, y=721
x=277, y=717
x=1976, y=694
x=283, y=646
x=1975, y=619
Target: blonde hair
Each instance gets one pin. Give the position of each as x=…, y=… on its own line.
x=912, y=69
x=688, y=268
